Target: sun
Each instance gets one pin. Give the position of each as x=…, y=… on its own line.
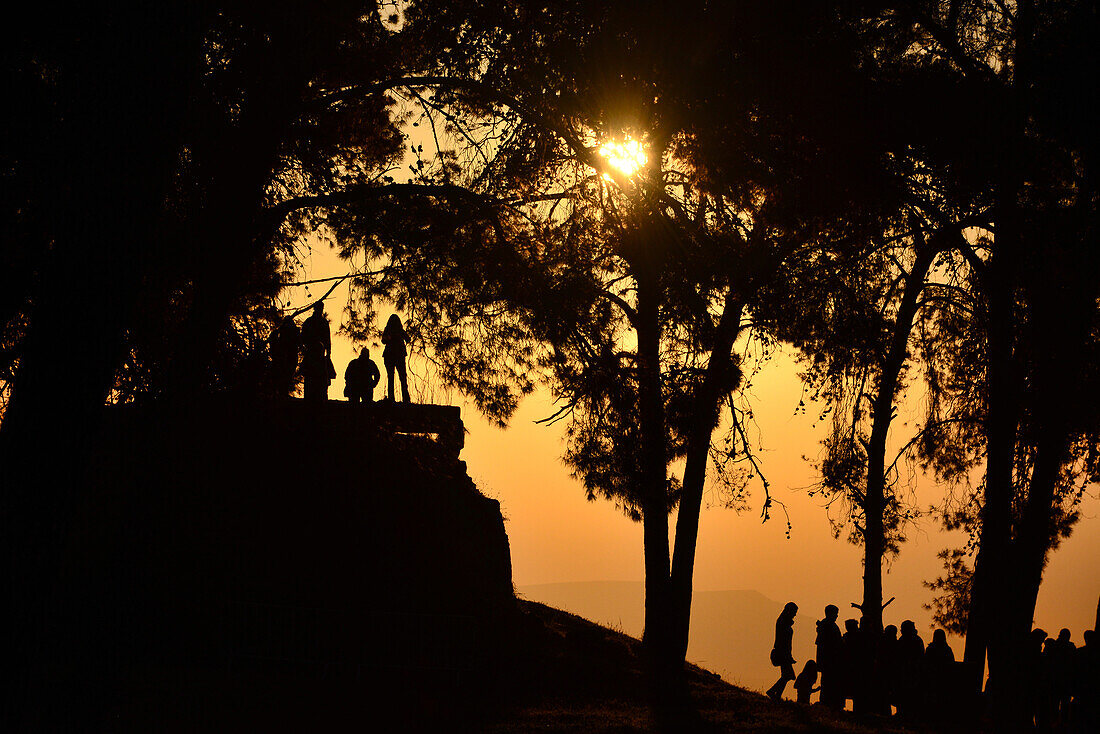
x=627, y=156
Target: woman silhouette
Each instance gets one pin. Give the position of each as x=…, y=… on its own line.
x=394, y=338
x=781, y=653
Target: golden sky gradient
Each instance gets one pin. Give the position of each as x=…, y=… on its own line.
x=556, y=535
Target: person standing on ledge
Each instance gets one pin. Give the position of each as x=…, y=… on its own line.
x=317, y=366
x=283, y=348
x=395, y=338
x=781, y=653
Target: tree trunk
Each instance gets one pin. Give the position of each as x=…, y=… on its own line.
x=991, y=573
x=653, y=470
x=1035, y=534
x=1001, y=422
x=706, y=402
x=977, y=626
x=1006, y=384
x=1028, y=552
x=670, y=700
x=874, y=536
x=874, y=504
x=120, y=102
x=1056, y=326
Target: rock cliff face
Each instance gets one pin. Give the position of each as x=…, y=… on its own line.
x=316, y=539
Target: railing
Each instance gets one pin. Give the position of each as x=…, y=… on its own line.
x=441, y=423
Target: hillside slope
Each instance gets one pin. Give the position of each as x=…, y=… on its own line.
x=731, y=630
x=575, y=676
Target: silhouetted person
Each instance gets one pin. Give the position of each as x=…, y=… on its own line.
x=804, y=683
x=939, y=654
x=317, y=366
x=781, y=655
x=886, y=666
x=1032, y=671
x=855, y=661
x=830, y=659
x=360, y=378
x=871, y=691
x=1063, y=656
x=395, y=338
x=1085, y=714
x=910, y=668
x=939, y=663
x=1048, y=702
x=315, y=330
x=283, y=348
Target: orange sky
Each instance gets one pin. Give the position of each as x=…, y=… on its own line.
x=557, y=536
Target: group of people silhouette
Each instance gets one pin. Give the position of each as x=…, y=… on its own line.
x=882, y=672
x=313, y=343
x=1063, y=680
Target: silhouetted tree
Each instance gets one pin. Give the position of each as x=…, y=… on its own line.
x=1028, y=60
x=673, y=253
x=861, y=314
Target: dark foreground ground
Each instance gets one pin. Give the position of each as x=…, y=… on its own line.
x=580, y=677
x=560, y=673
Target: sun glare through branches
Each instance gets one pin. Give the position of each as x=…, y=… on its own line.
x=627, y=156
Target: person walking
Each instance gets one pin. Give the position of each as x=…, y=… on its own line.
x=395, y=339
x=781, y=655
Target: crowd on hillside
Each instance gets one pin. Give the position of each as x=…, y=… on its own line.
x=886, y=672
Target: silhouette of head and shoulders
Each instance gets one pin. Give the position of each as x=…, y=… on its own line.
x=1036, y=639
x=784, y=629
x=362, y=369
x=910, y=644
x=938, y=651
x=315, y=335
x=317, y=314
x=287, y=328
x=394, y=336
x=808, y=676
x=805, y=682
x=1064, y=642
x=284, y=344
x=828, y=633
